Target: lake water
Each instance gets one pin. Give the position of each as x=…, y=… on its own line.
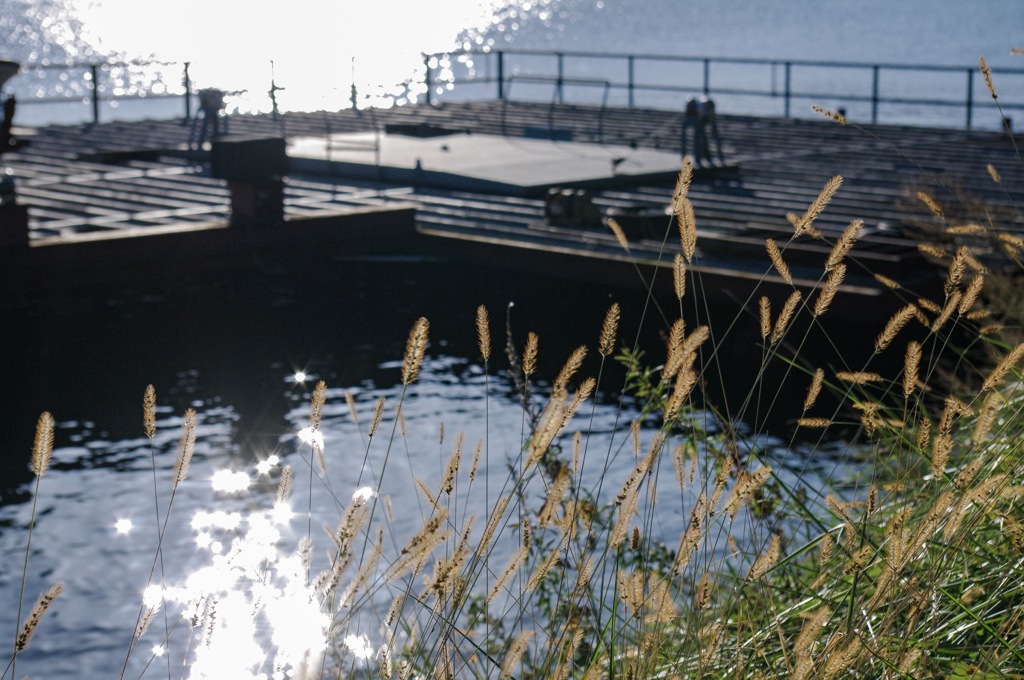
x=230, y=346
x=318, y=50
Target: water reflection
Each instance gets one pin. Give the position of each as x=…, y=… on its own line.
x=230, y=346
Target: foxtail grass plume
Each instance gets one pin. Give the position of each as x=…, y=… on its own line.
x=186, y=445
x=893, y=327
x=1003, y=367
x=932, y=250
x=530, y=354
x=931, y=204
x=804, y=225
x=887, y=282
x=745, y=488
x=811, y=629
x=966, y=229
x=911, y=366
x=844, y=244
x=858, y=377
x=475, y=463
x=483, y=332
x=415, y=348
x=765, y=560
x=956, y=270
x=831, y=115
x=316, y=405
x=942, y=445
x=620, y=235
x=674, y=355
x=994, y=174
x=583, y=393
x=609, y=329
x=782, y=323
x=987, y=416
x=682, y=184
x=572, y=364
x=815, y=388
x=452, y=469
x=971, y=294
x=42, y=447
x=687, y=228
x=952, y=304
x=828, y=292
x=776, y=257
x=513, y=565
x=149, y=411
x=35, y=616
x=986, y=72
x=352, y=411
x=514, y=655
x=679, y=275
x=702, y=592
x=378, y=413
x=764, y=306
x=284, y=485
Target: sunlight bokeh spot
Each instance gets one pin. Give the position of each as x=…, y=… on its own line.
x=227, y=481
x=360, y=646
x=123, y=526
x=312, y=437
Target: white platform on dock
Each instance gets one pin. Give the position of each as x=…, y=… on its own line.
x=480, y=162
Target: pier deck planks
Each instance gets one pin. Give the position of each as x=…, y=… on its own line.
x=151, y=178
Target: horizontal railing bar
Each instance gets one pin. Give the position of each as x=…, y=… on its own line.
x=717, y=60
x=684, y=89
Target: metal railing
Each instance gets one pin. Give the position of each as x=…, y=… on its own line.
x=631, y=77
x=92, y=84
x=500, y=66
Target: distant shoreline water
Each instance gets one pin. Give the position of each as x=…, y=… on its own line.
x=317, y=52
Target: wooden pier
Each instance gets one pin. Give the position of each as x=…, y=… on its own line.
x=117, y=199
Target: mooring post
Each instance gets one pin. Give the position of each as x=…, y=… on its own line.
x=501, y=75
x=874, y=94
x=187, y=83
x=94, y=71
x=707, y=76
x=426, y=77
x=970, y=96
x=561, y=75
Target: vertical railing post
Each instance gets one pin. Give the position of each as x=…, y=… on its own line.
x=501, y=75
x=707, y=77
x=786, y=76
x=187, y=83
x=561, y=76
x=94, y=70
x=629, y=63
x=874, y=94
x=970, y=96
x=427, y=78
